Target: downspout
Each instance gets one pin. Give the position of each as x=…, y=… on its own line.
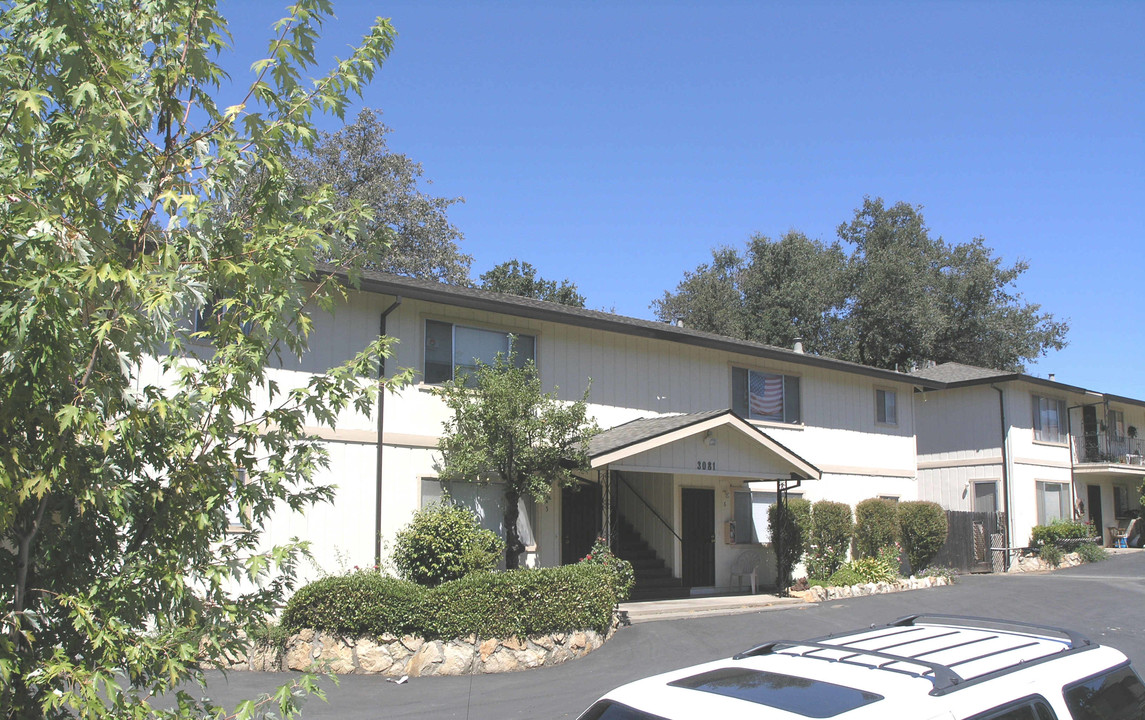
x=1005, y=473
x=381, y=444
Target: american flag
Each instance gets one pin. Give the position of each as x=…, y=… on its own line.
x=765, y=395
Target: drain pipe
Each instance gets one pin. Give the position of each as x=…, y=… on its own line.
x=1008, y=542
x=381, y=444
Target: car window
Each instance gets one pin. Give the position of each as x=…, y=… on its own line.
x=612, y=710
x=1031, y=708
x=1114, y=695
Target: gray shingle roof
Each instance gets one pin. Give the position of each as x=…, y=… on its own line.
x=952, y=372
x=643, y=429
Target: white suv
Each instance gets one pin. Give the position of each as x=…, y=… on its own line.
x=925, y=667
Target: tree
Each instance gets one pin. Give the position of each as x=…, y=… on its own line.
x=518, y=278
x=889, y=295
x=504, y=427
x=409, y=232
x=130, y=435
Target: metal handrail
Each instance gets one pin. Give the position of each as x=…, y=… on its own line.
x=647, y=505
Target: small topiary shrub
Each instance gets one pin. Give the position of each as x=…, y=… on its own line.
x=845, y=575
x=792, y=527
x=488, y=604
x=345, y=604
x=624, y=577
x=1060, y=531
x=1091, y=552
x=1051, y=553
x=922, y=525
x=830, y=538
x=876, y=526
x=444, y=542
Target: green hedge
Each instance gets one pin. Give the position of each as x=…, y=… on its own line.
x=444, y=542
x=876, y=526
x=923, y=528
x=793, y=527
x=1059, y=530
x=830, y=538
x=503, y=604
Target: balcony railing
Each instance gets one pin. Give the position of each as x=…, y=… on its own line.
x=1104, y=447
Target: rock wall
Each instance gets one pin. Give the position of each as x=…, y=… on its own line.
x=819, y=594
x=1033, y=563
x=394, y=656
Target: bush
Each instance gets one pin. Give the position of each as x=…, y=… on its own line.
x=444, y=542
x=922, y=525
x=1058, y=531
x=1091, y=552
x=488, y=604
x=792, y=527
x=876, y=526
x=844, y=576
x=345, y=604
x=623, y=576
x=1051, y=553
x=830, y=538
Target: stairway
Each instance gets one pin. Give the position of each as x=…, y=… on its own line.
x=654, y=579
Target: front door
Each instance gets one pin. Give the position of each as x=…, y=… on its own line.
x=698, y=526
x=1093, y=499
x=580, y=521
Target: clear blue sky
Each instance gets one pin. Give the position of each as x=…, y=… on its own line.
x=616, y=143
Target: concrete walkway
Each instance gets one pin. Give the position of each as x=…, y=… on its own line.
x=702, y=606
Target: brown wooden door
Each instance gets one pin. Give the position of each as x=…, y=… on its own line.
x=580, y=521
x=698, y=528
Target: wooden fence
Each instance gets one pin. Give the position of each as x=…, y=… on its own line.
x=967, y=545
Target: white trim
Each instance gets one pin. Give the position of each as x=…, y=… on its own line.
x=960, y=462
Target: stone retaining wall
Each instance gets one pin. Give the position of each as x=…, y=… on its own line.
x=1033, y=563
x=820, y=594
x=394, y=656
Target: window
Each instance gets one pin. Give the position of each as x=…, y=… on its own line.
x=449, y=347
x=486, y=501
x=750, y=513
x=1049, y=420
x=1051, y=502
x=1114, y=695
x=886, y=408
x=765, y=396
x=1028, y=709
x=986, y=497
x=1116, y=421
x=1120, y=501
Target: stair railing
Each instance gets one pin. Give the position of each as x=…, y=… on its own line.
x=647, y=504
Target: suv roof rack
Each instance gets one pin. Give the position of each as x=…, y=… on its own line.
x=944, y=677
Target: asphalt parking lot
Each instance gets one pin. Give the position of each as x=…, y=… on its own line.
x=1105, y=601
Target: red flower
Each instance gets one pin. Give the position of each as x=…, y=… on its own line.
x=588, y=557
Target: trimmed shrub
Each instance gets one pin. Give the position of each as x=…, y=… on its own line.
x=830, y=538
x=876, y=526
x=623, y=576
x=922, y=525
x=1091, y=552
x=345, y=604
x=444, y=542
x=1060, y=530
x=488, y=604
x=792, y=527
x=1051, y=553
x=845, y=575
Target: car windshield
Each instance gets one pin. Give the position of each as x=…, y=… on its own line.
x=809, y=698
x=1115, y=695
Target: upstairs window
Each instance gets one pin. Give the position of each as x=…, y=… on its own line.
x=453, y=348
x=1049, y=420
x=765, y=396
x=886, y=407
x=1116, y=421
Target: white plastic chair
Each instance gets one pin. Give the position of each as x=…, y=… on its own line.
x=746, y=565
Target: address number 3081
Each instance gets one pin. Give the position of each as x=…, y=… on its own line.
x=705, y=464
